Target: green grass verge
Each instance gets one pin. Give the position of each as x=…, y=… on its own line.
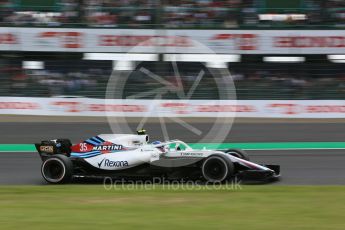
x=92, y=207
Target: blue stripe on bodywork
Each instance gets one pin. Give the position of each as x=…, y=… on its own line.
x=100, y=139
x=90, y=142
x=86, y=155
x=89, y=156
x=95, y=140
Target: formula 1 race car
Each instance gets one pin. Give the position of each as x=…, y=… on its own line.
x=133, y=156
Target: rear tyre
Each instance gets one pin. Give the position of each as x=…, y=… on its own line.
x=238, y=153
x=57, y=169
x=217, y=168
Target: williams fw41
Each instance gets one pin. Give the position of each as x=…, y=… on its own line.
x=129, y=156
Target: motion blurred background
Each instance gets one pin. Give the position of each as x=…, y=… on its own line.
x=54, y=35
x=287, y=62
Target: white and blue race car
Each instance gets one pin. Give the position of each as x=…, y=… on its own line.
x=133, y=156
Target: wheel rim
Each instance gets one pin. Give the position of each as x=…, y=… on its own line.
x=215, y=169
x=53, y=170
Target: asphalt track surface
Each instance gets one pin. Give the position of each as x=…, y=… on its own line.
x=302, y=167
x=27, y=133
x=298, y=167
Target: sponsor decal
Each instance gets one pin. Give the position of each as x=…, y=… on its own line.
x=179, y=108
x=68, y=39
x=68, y=106
x=116, y=108
x=285, y=108
x=309, y=42
x=107, y=147
x=8, y=39
x=112, y=164
x=292, y=109
x=325, y=109
x=225, y=108
x=19, y=105
x=241, y=41
x=47, y=149
x=192, y=154
x=144, y=40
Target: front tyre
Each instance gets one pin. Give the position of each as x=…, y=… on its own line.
x=217, y=168
x=57, y=169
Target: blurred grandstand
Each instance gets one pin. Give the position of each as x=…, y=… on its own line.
x=68, y=74
x=252, y=80
x=174, y=13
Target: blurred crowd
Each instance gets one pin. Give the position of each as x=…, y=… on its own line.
x=172, y=14
x=307, y=81
x=74, y=13
x=54, y=81
x=256, y=81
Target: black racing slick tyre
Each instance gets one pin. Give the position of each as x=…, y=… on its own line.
x=57, y=169
x=217, y=168
x=238, y=153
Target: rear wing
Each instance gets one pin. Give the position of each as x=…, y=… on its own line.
x=52, y=147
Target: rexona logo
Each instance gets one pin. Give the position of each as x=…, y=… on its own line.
x=112, y=164
x=108, y=147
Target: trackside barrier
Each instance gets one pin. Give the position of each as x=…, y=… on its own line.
x=173, y=108
x=173, y=41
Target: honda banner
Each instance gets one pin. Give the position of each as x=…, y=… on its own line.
x=173, y=108
x=174, y=41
